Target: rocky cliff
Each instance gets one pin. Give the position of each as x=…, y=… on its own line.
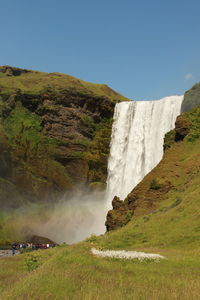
x=54, y=134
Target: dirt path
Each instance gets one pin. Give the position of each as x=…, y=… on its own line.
x=5, y=253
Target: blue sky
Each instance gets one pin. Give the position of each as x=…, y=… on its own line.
x=143, y=49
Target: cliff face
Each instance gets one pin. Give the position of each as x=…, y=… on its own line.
x=55, y=133
x=191, y=98
x=173, y=176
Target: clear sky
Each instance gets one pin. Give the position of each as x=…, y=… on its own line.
x=144, y=49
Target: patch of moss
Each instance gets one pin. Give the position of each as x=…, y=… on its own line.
x=98, y=152
x=194, y=117
x=89, y=122
x=34, y=153
x=187, y=126
x=23, y=127
x=169, y=139
x=83, y=142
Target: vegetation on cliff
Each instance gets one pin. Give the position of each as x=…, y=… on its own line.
x=52, y=125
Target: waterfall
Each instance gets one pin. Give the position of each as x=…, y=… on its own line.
x=137, y=139
x=136, y=147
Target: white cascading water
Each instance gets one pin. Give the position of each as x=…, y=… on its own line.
x=137, y=139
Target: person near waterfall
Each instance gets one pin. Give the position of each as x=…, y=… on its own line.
x=14, y=248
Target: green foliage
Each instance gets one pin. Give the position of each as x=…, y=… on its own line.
x=82, y=142
x=194, y=117
x=169, y=139
x=154, y=184
x=92, y=238
x=33, y=261
x=4, y=107
x=23, y=129
x=188, y=122
x=98, y=152
x=76, y=155
x=35, y=152
x=128, y=216
x=89, y=122
x=23, y=126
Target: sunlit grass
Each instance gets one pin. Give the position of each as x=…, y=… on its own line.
x=171, y=230
x=37, y=82
x=74, y=273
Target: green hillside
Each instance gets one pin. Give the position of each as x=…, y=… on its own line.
x=34, y=82
x=166, y=220
x=52, y=124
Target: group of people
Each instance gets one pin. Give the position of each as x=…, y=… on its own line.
x=20, y=247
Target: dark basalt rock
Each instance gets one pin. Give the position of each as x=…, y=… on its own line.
x=36, y=239
x=12, y=71
x=119, y=216
x=117, y=203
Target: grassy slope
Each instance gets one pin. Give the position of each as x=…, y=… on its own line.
x=174, y=222
x=37, y=82
x=171, y=229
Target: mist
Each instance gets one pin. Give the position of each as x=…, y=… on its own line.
x=72, y=220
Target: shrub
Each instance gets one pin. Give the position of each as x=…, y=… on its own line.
x=129, y=215
x=92, y=238
x=88, y=121
x=154, y=185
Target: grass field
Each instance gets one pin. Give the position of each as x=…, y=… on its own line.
x=165, y=221
x=171, y=229
x=72, y=272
